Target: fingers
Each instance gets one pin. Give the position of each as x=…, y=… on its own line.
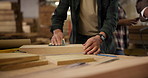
x=97, y=52
x=56, y=40
x=94, y=50
x=91, y=51
x=87, y=44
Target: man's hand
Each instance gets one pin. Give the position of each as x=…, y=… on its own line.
x=128, y=22
x=92, y=45
x=57, y=37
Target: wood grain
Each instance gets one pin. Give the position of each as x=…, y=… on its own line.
x=5, y=5
x=12, y=58
x=4, y=12
x=69, y=59
x=7, y=17
x=7, y=23
x=45, y=49
x=131, y=68
x=14, y=43
x=23, y=65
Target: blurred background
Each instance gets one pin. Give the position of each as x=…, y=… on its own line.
x=31, y=19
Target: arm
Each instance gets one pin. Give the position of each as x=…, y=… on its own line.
x=58, y=18
x=127, y=22
x=110, y=22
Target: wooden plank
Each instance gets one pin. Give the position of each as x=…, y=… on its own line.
x=23, y=65
x=7, y=26
x=137, y=36
x=6, y=17
x=13, y=43
x=132, y=68
x=51, y=68
x=45, y=49
x=69, y=59
x=12, y=58
x=136, y=52
x=6, y=29
x=5, y=5
x=4, y=12
x=7, y=23
x=136, y=29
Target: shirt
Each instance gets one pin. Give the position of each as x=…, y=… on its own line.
x=88, y=23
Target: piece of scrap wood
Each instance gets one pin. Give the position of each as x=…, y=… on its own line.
x=23, y=65
x=12, y=58
x=69, y=59
x=45, y=49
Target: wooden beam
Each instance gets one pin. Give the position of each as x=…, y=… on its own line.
x=69, y=59
x=3, y=12
x=7, y=29
x=7, y=23
x=12, y=58
x=14, y=43
x=45, y=49
x=5, y=5
x=131, y=68
x=7, y=17
x=23, y=65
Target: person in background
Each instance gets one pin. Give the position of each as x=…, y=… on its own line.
x=121, y=32
x=93, y=24
x=142, y=9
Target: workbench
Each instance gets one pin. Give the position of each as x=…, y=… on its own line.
x=125, y=67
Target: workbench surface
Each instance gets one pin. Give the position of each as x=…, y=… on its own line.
x=97, y=68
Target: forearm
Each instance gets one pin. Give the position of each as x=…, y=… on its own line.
x=60, y=15
x=110, y=23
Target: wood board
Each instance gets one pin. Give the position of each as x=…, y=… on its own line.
x=132, y=68
x=23, y=65
x=4, y=12
x=5, y=5
x=45, y=49
x=10, y=29
x=10, y=17
x=7, y=23
x=14, y=43
x=69, y=59
x=12, y=58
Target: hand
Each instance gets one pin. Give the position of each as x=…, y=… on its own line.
x=128, y=22
x=57, y=37
x=92, y=45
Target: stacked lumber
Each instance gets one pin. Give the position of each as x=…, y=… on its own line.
x=7, y=17
x=10, y=17
x=12, y=61
x=5, y=5
x=134, y=34
x=137, y=48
